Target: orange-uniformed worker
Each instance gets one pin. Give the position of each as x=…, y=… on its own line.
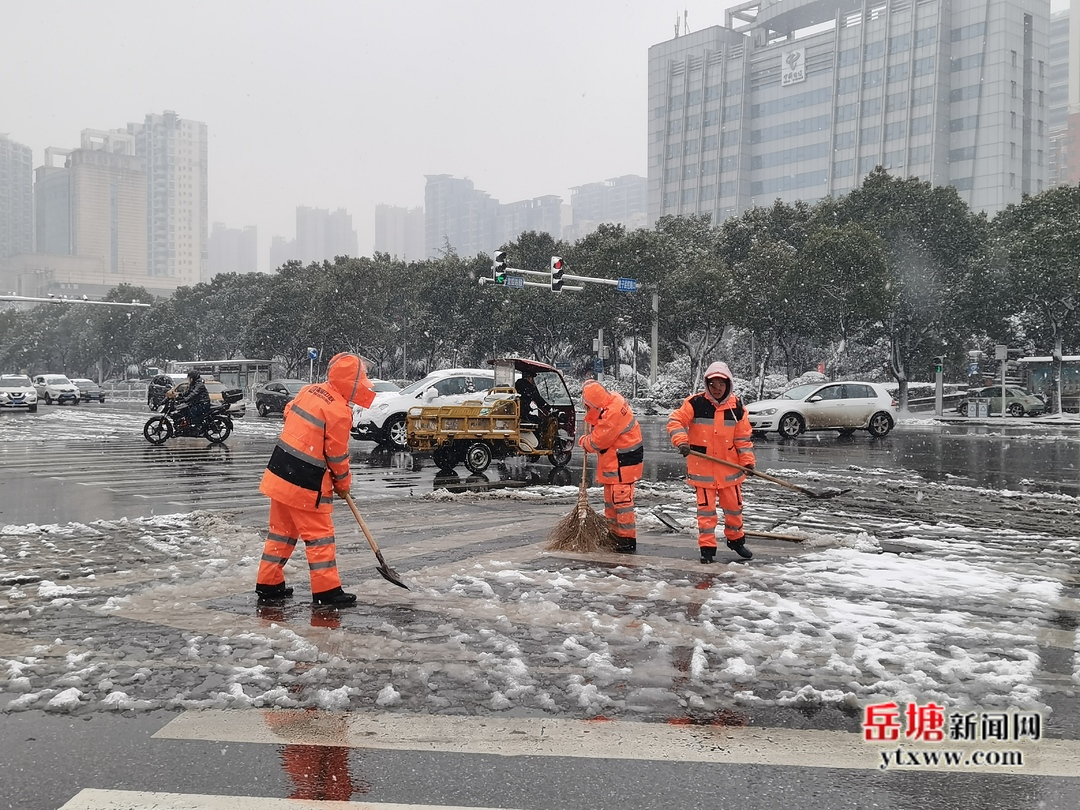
x=714, y=422
x=308, y=466
x=615, y=437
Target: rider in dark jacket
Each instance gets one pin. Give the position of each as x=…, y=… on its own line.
x=196, y=399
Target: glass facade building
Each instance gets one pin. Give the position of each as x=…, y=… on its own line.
x=801, y=99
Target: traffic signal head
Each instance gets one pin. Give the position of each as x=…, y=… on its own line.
x=558, y=266
x=498, y=267
x=939, y=361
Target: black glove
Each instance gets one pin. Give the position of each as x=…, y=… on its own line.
x=684, y=449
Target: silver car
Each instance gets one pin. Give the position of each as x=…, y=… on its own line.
x=845, y=406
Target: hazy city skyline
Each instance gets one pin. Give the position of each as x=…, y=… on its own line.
x=348, y=105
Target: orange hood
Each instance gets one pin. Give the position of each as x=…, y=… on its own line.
x=346, y=373
x=596, y=398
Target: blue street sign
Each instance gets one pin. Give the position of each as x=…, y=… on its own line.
x=313, y=354
x=627, y=285
x=563, y=365
x=598, y=367
x=517, y=282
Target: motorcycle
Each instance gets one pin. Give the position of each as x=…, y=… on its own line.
x=216, y=427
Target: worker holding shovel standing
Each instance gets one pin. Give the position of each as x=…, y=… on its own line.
x=714, y=423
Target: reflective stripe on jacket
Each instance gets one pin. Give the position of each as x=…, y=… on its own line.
x=311, y=458
x=615, y=436
x=718, y=429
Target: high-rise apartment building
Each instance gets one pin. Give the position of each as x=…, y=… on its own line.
x=233, y=250
x=399, y=232
x=620, y=201
x=458, y=215
x=471, y=222
x=1064, y=96
x=94, y=205
x=175, y=152
x=542, y=214
x=16, y=198
x=802, y=99
x=322, y=234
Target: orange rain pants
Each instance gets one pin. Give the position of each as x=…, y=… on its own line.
x=619, y=511
x=287, y=525
x=730, y=500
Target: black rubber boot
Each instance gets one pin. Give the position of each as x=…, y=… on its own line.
x=273, y=593
x=623, y=546
x=708, y=554
x=335, y=597
x=739, y=547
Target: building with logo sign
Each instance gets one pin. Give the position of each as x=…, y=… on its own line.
x=801, y=99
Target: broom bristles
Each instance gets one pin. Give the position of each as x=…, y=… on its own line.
x=582, y=530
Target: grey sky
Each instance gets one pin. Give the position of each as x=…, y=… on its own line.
x=349, y=103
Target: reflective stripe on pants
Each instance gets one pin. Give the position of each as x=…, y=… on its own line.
x=619, y=510
x=730, y=500
x=287, y=526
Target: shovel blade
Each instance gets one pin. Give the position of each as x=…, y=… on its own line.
x=387, y=573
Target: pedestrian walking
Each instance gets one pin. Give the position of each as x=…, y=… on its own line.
x=309, y=465
x=615, y=438
x=714, y=422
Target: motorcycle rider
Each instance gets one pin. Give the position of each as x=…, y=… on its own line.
x=195, y=402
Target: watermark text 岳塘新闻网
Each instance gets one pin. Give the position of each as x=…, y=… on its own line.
x=930, y=723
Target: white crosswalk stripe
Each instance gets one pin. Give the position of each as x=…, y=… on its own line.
x=600, y=739
x=129, y=799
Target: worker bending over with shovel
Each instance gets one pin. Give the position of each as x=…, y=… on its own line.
x=615, y=437
x=309, y=465
x=714, y=422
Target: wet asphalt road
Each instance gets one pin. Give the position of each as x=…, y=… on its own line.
x=50, y=477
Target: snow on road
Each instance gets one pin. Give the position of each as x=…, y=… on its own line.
x=158, y=613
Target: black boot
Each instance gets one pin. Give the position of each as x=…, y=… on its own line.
x=708, y=554
x=273, y=593
x=624, y=546
x=739, y=547
x=336, y=597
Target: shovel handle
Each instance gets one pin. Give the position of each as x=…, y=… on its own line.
x=752, y=471
x=360, y=520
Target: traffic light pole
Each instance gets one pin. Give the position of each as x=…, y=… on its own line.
x=66, y=300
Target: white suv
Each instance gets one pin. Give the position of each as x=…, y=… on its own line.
x=56, y=388
x=16, y=391
x=385, y=421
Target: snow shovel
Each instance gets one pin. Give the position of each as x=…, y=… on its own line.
x=829, y=493
x=670, y=522
x=384, y=570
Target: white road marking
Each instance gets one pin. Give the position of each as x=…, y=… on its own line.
x=601, y=739
x=92, y=799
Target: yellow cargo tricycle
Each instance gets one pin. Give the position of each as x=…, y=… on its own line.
x=491, y=426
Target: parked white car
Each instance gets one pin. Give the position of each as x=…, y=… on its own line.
x=56, y=388
x=16, y=391
x=386, y=420
x=845, y=406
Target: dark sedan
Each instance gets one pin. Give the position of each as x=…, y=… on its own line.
x=272, y=396
x=89, y=391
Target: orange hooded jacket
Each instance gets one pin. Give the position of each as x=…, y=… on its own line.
x=311, y=458
x=615, y=436
x=719, y=429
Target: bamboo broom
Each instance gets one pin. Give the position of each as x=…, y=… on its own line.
x=583, y=529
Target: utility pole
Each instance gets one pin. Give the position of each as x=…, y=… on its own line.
x=655, y=336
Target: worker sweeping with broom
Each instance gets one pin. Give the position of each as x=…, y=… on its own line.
x=615, y=437
x=714, y=423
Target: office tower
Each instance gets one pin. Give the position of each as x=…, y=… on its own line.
x=321, y=234
x=16, y=198
x=620, y=201
x=399, y=232
x=233, y=250
x=1064, y=96
x=175, y=152
x=52, y=204
x=802, y=99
